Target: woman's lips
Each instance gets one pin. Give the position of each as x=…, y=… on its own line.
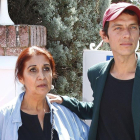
x=42, y=85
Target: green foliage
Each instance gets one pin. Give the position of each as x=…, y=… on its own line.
x=115, y=1
x=22, y=12
x=71, y=26
x=137, y=3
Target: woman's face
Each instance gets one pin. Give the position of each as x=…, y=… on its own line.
x=37, y=75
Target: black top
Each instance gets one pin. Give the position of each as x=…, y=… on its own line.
x=115, y=115
x=31, y=128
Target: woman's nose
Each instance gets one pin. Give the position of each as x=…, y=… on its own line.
x=41, y=75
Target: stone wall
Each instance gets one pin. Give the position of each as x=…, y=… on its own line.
x=13, y=39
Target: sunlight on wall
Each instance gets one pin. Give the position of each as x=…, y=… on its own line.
x=8, y=87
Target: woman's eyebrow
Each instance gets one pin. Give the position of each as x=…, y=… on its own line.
x=31, y=66
x=35, y=65
x=46, y=64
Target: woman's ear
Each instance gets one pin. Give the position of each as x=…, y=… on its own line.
x=103, y=36
x=21, y=81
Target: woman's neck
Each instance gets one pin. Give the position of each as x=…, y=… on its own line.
x=34, y=104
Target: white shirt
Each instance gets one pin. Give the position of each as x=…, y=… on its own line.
x=66, y=123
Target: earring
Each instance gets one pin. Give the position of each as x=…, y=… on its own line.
x=23, y=88
x=52, y=86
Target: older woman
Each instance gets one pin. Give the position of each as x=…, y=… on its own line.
x=31, y=116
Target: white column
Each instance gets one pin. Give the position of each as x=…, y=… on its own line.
x=4, y=15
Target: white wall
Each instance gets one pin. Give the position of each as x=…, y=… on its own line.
x=90, y=58
x=8, y=87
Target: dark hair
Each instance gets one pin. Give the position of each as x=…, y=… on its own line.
x=126, y=11
x=26, y=54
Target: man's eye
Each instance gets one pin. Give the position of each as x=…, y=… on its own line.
x=133, y=27
x=117, y=28
x=46, y=69
x=33, y=70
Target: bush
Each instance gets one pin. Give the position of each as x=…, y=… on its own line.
x=71, y=26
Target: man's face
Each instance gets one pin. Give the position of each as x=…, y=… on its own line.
x=123, y=34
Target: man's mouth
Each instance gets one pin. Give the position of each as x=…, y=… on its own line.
x=126, y=44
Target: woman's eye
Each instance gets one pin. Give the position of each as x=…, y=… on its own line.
x=46, y=69
x=33, y=70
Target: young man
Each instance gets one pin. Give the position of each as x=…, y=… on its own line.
x=115, y=111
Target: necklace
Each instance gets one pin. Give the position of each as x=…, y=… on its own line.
x=52, y=129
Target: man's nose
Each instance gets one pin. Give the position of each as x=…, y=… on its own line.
x=126, y=33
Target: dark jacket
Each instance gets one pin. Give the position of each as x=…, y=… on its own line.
x=97, y=76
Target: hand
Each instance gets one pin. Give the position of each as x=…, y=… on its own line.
x=55, y=98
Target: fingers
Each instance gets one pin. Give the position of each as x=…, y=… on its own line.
x=54, y=101
x=51, y=96
x=55, y=98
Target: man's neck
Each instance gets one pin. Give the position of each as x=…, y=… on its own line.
x=124, y=68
